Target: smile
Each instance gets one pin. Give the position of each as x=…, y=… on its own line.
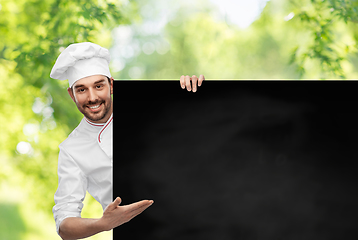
x=95, y=108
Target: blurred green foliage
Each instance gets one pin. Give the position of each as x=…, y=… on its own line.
x=325, y=20
x=289, y=40
x=9, y=230
x=36, y=112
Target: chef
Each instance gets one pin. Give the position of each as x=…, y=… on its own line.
x=85, y=158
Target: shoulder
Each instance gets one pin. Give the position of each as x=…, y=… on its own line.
x=78, y=135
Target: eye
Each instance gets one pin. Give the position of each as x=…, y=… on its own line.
x=99, y=86
x=81, y=90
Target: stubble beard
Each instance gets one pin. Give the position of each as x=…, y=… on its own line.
x=95, y=116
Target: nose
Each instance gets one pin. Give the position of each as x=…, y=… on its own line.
x=92, y=96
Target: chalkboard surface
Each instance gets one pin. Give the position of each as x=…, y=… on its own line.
x=237, y=159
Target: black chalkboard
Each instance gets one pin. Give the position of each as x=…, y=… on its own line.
x=237, y=159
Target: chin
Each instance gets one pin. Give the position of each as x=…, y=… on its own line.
x=94, y=118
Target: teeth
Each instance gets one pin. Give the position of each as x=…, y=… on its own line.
x=95, y=106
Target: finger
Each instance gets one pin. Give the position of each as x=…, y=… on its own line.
x=182, y=81
x=117, y=201
x=187, y=83
x=139, y=205
x=114, y=204
x=201, y=79
x=137, y=211
x=194, y=80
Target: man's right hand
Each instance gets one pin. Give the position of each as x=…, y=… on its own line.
x=115, y=215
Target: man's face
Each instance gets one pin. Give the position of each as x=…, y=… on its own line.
x=92, y=96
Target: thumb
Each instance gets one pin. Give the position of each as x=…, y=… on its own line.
x=115, y=203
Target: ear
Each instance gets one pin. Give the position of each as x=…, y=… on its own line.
x=69, y=90
x=112, y=79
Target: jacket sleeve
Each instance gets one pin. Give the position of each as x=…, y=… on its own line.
x=71, y=191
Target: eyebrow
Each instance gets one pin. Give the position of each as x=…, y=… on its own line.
x=78, y=86
x=99, y=81
x=96, y=82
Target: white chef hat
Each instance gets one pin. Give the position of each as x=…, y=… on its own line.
x=81, y=60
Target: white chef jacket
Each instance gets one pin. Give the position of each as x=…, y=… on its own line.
x=84, y=164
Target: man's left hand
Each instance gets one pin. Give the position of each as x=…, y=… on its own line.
x=191, y=82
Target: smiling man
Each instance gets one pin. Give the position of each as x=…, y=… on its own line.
x=92, y=96
x=85, y=158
